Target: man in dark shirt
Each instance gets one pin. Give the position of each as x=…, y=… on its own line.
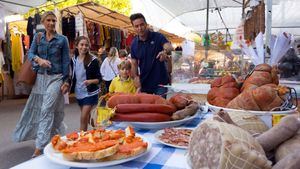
x=149, y=53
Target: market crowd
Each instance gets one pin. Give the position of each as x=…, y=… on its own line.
x=144, y=66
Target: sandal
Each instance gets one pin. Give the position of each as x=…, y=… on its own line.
x=37, y=152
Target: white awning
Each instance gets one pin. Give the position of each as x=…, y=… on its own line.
x=19, y=6
x=190, y=15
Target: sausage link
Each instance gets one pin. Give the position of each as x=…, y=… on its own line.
x=145, y=107
x=142, y=117
x=135, y=98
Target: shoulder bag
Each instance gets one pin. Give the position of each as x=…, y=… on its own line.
x=27, y=75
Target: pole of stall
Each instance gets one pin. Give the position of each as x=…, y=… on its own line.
x=206, y=30
x=268, y=30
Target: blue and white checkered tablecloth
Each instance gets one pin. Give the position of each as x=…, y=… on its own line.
x=159, y=157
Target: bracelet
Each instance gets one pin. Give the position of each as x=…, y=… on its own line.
x=35, y=59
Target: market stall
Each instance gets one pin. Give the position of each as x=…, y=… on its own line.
x=103, y=26
x=253, y=116
x=238, y=19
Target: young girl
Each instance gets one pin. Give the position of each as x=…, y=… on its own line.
x=109, y=67
x=123, y=83
x=85, y=79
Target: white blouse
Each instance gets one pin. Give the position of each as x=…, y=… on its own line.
x=109, y=68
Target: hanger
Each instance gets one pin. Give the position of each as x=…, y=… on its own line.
x=15, y=30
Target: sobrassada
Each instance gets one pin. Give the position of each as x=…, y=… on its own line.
x=284, y=130
x=292, y=161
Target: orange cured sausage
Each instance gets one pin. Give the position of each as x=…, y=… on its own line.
x=142, y=117
x=145, y=107
x=135, y=99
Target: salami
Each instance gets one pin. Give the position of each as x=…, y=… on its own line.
x=145, y=107
x=142, y=117
x=135, y=99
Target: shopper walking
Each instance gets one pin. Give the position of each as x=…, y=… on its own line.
x=43, y=114
x=85, y=79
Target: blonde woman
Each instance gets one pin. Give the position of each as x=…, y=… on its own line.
x=43, y=114
x=109, y=68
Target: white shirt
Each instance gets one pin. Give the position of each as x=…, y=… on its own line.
x=80, y=88
x=2, y=24
x=109, y=70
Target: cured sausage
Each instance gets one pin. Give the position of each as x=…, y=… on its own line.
x=141, y=117
x=180, y=101
x=145, y=107
x=135, y=98
x=187, y=111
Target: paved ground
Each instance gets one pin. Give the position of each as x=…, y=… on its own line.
x=12, y=153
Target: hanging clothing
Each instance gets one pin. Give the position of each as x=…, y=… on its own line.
x=79, y=25
x=2, y=61
x=26, y=41
x=123, y=40
x=68, y=25
x=91, y=29
x=30, y=27
x=37, y=19
x=58, y=25
x=2, y=25
x=16, y=51
x=97, y=34
x=129, y=39
x=1, y=77
x=37, y=22
x=119, y=38
x=102, y=36
x=107, y=37
x=7, y=49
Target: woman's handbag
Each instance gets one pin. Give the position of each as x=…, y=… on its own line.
x=27, y=75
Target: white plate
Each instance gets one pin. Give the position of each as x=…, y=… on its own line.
x=159, y=132
x=265, y=116
x=261, y=113
x=58, y=158
x=161, y=125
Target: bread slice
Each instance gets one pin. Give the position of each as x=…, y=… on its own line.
x=127, y=151
x=91, y=155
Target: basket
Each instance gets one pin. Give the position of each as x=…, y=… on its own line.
x=100, y=115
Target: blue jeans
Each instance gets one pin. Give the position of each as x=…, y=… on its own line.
x=91, y=100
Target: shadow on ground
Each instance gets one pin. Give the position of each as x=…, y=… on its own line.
x=12, y=153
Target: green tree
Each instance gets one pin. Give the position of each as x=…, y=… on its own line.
x=121, y=6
